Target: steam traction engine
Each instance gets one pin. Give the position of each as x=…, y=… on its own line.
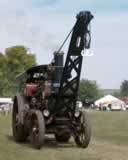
x=48, y=103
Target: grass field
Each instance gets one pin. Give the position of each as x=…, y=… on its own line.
x=109, y=141
x=110, y=126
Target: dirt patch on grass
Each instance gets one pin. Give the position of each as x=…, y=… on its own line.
x=97, y=150
x=108, y=151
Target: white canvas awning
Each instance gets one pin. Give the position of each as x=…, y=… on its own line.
x=6, y=100
x=107, y=99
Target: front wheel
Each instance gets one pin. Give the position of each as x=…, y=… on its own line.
x=83, y=135
x=37, y=129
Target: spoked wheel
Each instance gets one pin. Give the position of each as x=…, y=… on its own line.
x=63, y=137
x=83, y=136
x=37, y=131
x=18, y=129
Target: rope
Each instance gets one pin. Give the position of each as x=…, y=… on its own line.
x=65, y=40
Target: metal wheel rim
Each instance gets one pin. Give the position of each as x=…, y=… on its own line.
x=82, y=126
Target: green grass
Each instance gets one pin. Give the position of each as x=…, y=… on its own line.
x=107, y=126
x=110, y=126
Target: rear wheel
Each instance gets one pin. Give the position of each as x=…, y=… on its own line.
x=63, y=137
x=37, y=131
x=18, y=129
x=83, y=136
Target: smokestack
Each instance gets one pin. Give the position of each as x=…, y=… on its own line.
x=58, y=58
x=58, y=63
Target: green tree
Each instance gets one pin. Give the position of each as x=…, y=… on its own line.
x=89, y=90
x=16, y=60
x=2, y=73
x=116, y=94
x=124, y=88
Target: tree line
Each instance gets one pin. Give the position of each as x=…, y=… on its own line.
x=14, y=61
x=90, y=91
x=17, y=59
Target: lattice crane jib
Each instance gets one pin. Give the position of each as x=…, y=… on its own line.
x=69, y=84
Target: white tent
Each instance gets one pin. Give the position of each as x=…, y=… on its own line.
x=6, y=100
x=6, y=104
x=108, y=100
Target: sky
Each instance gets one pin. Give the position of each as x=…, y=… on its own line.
x=42, y=25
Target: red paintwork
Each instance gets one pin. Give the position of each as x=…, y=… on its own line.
x=124, y=99
x=30, y=89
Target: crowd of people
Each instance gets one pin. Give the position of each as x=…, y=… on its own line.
x=5, y=109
